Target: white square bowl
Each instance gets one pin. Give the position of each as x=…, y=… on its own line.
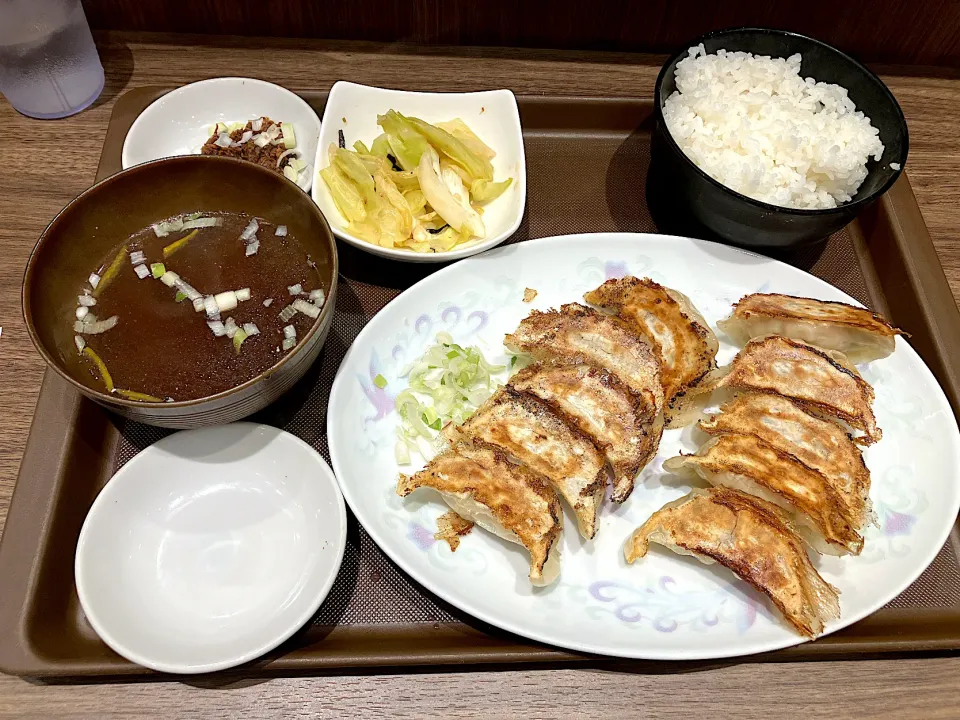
x=492, y=115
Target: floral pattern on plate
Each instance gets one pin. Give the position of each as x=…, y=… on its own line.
x=677, y=608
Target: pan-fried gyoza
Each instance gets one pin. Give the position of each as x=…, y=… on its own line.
x=826, y=517
x=820, y=381
x=512, y=502
x=783, y=465
x=530, y=431
x=621, y=424
x=576, y=334
x=819, y=444
x=859, y=334
x=685, y=344
x=751, y=537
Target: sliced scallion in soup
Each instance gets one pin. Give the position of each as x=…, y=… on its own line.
x=193, y=306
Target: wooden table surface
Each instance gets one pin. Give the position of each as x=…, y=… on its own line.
x=57, y=160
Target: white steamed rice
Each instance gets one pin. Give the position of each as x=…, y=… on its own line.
x=756, y=126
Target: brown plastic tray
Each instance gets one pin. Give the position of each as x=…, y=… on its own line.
x=586, y=165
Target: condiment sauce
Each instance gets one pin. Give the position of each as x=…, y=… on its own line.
x=166, y=349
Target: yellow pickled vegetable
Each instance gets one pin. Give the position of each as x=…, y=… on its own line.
x=483, y=191
x=345, y=194
x=390, y=221
x=416, y=201
x=374, y=163
x=381, y=146
x=418, y=186
x=405, y=180
x=458, y=128
x=455, y=149
x=406, y=143
x=442, y=200
x=365, y=231
x=465, y=177
x=356, y=171
x=446, y=239
x=354, y=168
x=389, y=191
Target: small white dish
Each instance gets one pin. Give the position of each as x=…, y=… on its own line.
x=179, y=122
x=493, y=115
x=210, y=548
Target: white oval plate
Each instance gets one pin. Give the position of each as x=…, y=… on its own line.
x=179, y=122
x=492, y=114
x=665, y=606
x=210, y=548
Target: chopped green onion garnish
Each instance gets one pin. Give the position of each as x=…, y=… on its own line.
x=238, y=339
x=157, y=269
x=402, y=453
x=180, y=297
x=447, y=384
x=380, y=381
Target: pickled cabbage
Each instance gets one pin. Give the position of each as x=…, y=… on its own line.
x=381, y=146
x=479, y=167
x=458, y=128
x=345, y=194
x=483, y=191
x=441, y=199
x=417, y=186
x=405, y=142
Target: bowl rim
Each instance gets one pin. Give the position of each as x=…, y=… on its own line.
x=115, y=400
x=411, y=256
x=190, y=87
x=83, y=554
x=658, y=101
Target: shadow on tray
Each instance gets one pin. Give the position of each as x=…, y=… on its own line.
x=672, y=220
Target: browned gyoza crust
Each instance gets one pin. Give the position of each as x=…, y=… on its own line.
x=858, y=333
x=577, y=334
x=819, y=444
x=533, y=433
x=522, y=501
x=807, y=375
x=684, y=342
x=753, y=539
x=621, y=423
x=802, y=308
x=832, y=519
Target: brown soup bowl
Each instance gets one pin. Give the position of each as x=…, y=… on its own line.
x=119, y=206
